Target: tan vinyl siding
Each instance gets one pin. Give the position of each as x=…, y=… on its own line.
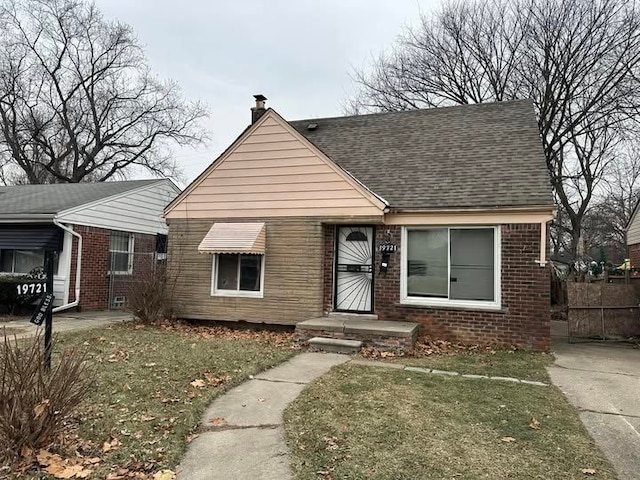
x=274, y=172
x=633, y=232
x=293, y=287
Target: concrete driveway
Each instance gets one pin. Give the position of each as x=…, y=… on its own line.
x=64, y=322
x=603, y=382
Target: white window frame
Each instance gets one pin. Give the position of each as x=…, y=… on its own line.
x=218, y=292
x=130, y=256
x=13, y=273
x=405, y=299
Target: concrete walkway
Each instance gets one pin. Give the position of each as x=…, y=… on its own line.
x=242, y=434
x=64, y=322
x=603, y=382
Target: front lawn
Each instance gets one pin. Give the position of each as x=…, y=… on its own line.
x=374, y=423
x=151, y=387
x=471, y=359
x=520, y=364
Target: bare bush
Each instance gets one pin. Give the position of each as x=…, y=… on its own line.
x=34, y=401
x=151, y=295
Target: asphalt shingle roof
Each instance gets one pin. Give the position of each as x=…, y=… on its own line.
x=482, y=155
x=54, y=198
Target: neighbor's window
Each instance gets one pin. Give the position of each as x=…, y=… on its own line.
x=121, y=253
x=237, y=275
x=21, y=261
x=451, y=266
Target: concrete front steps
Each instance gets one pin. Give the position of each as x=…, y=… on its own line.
x=335, y=345
x=347, y=333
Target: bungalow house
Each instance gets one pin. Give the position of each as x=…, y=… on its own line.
x=437, y=217
x=633, y=238
x=102, y=233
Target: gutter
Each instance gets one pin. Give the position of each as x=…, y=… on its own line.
x=443, y=210
x=76, y=302
x=30, y=218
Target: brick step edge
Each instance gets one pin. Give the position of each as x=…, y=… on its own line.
x=381, y=342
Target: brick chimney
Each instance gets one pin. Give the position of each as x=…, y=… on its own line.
x=259, y=109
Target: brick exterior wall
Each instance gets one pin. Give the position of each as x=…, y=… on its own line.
x=524, y=318
x=329, y=242
x=94, y=279
x=634, y=255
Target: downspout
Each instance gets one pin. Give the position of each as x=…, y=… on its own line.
x=543, y=242
x=76, y=301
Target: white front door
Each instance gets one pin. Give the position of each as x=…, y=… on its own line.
x=354, y=269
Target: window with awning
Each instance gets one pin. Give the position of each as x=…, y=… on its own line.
x=30, y=237
x=234, y=238
x=238, y=258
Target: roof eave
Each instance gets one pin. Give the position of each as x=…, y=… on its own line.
x=27, y=218
x=527, y=208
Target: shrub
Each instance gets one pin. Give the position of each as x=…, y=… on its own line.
x=34, y=402
x=151, y=295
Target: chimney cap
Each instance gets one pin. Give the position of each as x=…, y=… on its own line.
x=259, y=97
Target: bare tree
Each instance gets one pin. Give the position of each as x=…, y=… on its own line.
x=78, y=101
x=579, y=60
x=606, y=222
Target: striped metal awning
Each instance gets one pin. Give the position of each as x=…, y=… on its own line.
x=234, y=238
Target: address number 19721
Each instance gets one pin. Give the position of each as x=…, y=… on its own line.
x=31, y=288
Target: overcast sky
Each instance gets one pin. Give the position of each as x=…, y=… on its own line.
x=298, y=53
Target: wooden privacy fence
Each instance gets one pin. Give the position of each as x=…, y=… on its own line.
x=603, y=311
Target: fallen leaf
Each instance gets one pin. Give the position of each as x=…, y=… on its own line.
x=147, y=418
x=45, y=458
x=114, y=476
x=198, y=383
x=56, y=469
x=535, y=424
x=164, y=475
x=589, y=471
x=218, y=421
x=215, y=381
x=111, y=445
x=39, y=409
x=71, y=471
x=26, y=452
x=92, y=460
x=508, y=439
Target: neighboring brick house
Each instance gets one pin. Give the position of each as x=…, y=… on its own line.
x=633, y=238
x=119, y=225
x=434, y=216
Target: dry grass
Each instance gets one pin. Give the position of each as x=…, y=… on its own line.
x=373, y=423
x=472, y=359
x=143, y=403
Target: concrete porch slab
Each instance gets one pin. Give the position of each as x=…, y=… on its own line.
x=360, y=326
x=326, y=324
